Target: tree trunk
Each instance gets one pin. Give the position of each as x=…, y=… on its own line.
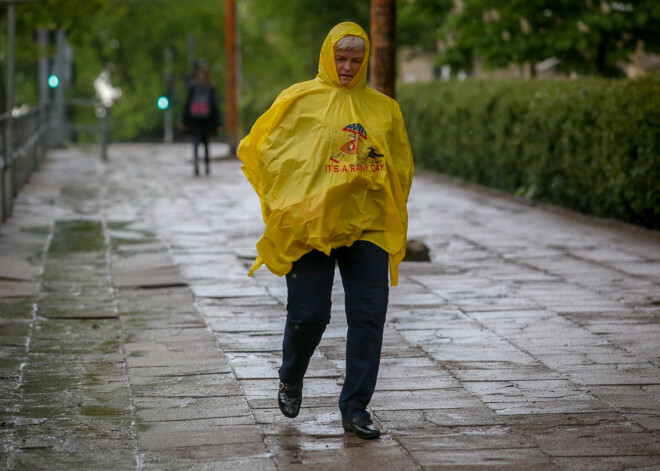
x=230, y=51
x=383, y=46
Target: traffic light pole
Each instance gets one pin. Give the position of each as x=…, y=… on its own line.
x=169, y=123
x=58, y=117
x=169, y=116
x=42, y=38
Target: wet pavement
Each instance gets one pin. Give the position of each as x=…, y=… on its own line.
x=131, y=338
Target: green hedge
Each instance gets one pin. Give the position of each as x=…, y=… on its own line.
x=592, y=145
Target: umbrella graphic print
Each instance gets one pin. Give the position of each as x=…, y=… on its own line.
x=352, y=146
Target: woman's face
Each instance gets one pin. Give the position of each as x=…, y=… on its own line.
x=348, y=63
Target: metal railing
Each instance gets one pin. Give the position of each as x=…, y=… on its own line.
x=31, y=134
x=20, y=157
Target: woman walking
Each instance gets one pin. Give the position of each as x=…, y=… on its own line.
x=331, y=163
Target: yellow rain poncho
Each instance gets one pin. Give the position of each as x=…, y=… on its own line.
x=331, y=165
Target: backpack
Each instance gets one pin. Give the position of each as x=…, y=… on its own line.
x=200, y=104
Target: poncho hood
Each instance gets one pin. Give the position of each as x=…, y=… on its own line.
x=331, y=165
x=327, y=69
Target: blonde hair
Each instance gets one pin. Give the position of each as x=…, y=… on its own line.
x=350, y=43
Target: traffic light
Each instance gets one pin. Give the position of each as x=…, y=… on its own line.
x=163, y=102
x=53, y=81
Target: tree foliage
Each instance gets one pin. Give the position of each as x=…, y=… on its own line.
x=133, y=40
x=72, y=16
x=585, y=36
x=280, y=42
x=419, y=22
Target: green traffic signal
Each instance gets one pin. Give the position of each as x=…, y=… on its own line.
x=53, y=81
x=163, y=103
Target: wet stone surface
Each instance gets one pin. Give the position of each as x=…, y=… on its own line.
x=130, y=337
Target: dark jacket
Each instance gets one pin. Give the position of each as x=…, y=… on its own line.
x=204, y=124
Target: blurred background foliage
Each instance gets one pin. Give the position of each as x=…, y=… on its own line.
x=590, y=144
x=588, y=37
x=280, y=41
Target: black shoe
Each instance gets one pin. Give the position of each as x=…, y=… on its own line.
x=289, y=398
x=362, y=426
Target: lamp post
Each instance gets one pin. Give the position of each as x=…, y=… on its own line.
x=7, y=172
x=169, y=117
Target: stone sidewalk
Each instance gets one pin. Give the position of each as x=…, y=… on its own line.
x=130, y=337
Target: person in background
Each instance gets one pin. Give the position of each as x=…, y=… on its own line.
x=200, y=116
x=332, y=165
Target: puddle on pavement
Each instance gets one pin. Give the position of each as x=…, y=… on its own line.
x=76, y=236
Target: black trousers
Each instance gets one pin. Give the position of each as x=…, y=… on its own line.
x=364, y=269
x=200, y=137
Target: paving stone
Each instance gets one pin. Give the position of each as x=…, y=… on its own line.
x=169, y=337
x=245, y=301
x=426, y=399
x=466, y=439
x=227, y=290
x=244, y=322
x=78, y=460
x=433, y=421
x=157, y=298
x=609, y=463
x=490, y=460
x=183, y=318
x=649, y=420
x=316, y=420
x=14, y=333
x=168, y=357
x=66, y=358
x=100, y=336
x=338, y=453
x=500, y=371
x=162, y=409
x=593, y=435
x=214, y=365
x=209, y=451
x=149, y=277
x=16, y=309
x=623, y=374
x=194, y=463
x=77, y=434
x=197, y=433
x=17, y=266
x=186, y=386
x=17, y=289
x=264, y=341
